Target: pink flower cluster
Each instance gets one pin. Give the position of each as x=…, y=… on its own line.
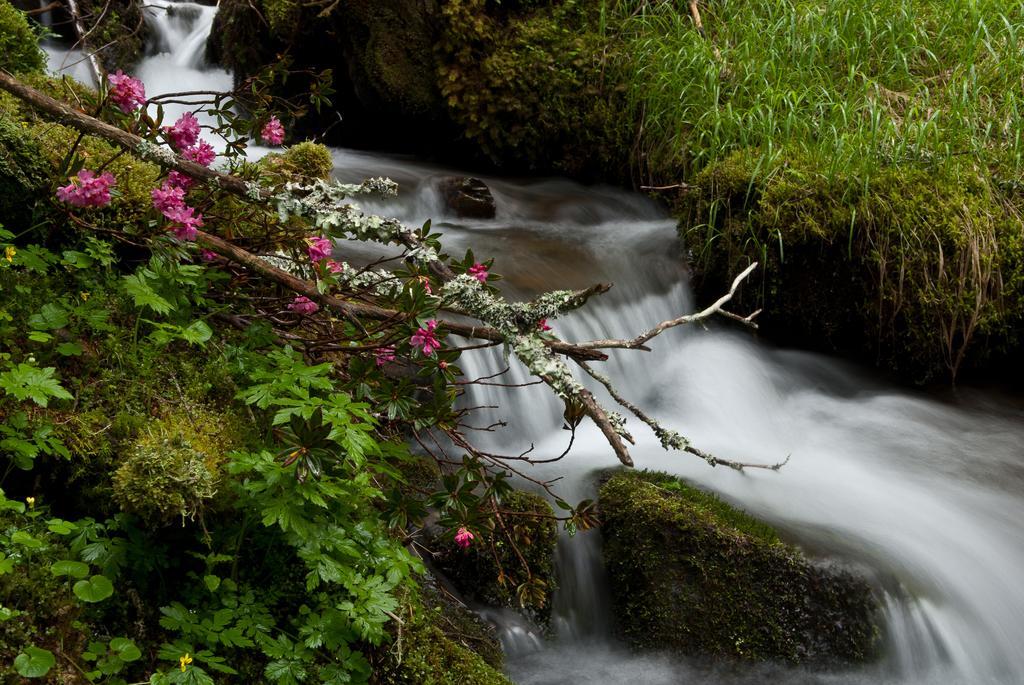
x=543, y=326
x=479, y=272
x=126, y=92
x=200, y=153
x=463, y=538
x=169, y=200
x=87, y=189
x=385, y=355
x=184, y=133
x=425, y=339
x=177, y=179
x=303, y=305
x=273, y=132
x=319, y=248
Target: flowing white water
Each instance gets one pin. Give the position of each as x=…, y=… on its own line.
x=924, y=494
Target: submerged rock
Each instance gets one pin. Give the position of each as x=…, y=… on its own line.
x=469, y=198
x=692, y=574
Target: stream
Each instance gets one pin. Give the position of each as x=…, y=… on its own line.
x=921, y=493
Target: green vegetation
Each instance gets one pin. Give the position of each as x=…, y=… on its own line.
x=691, y=574
x=19, y=50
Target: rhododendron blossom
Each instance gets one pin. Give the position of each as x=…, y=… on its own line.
x=208, y=255
x=463, y=538
x=335, y=267
x=185, y=131
x=425, y=340
x=319, y=248
x=168, y=198
x=186, y=221
x=126, y=92
x=479, y=272
x=180, y=180
x=303, y=305
x=273, y=132
x=543, y=326
x=385, y=355
x=87, y=189
x=200, y=153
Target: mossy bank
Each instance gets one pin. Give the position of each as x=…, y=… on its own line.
x=690, y=574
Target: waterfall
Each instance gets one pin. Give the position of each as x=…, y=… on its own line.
x=926, y=494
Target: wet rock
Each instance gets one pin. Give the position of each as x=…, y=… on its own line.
x=692, y=574
x=469, y=198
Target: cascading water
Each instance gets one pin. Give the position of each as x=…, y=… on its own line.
x=926, y=494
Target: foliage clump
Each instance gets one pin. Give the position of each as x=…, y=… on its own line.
x=691, y=574
x=491, y=570
x=19, y=43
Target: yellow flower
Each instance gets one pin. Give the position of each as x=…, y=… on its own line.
x=31, y=502
x=84, y=295
x=185, y=661
x=10, y=252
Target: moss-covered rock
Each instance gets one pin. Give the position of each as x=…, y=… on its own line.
x=23, y=173
x=117, y=31
x=691, y=574
x=301, y=163
x=918, y=269
x=19, y=43
x=492, y=569
x=442, y=643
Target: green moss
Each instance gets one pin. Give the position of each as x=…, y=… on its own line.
x=23, y=173
x=916, y=267
x=526, y=84
x=490, y=570
x=691, y=574
x=302, y=163
x=19, y=44
x=117, y=30
x=442, y=643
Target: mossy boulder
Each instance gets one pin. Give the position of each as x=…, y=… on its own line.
x=24, y=175
x=19, y=43
x=691, y=574
x=442, y=643
x=491, y=570
x=917, y=269
x=302, y=163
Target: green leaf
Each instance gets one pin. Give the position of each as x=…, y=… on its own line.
x=34, y=662
x=49, y=318
x=69, y=568
x=197, y=333
x=79, y=260
x=125, y=649
x=96, y=589
x=22, y=538
x=144, y=295
x=27, y=381
x=212, y=582
x=70, y=349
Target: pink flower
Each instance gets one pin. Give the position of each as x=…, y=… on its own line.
x=335, y=267
x=426, y=284
x=425, y=339
x=273, y=132
x=200, y=153
x=126, y=92
x=185, y=131
x=319, y=248
x=208, y=255
x=303, y=305
x=87, y=189
x=180, y=180
x=479, y=272
x=168, y=198
x=385, y=355
x=186, y=222
x=543, y=326
x=463, y=538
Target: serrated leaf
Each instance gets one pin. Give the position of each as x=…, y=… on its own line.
x=70, y=349
x=144, y=295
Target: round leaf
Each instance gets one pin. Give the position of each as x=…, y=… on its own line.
x=96, y=589
x=125, y=649
x=34, y=662
x=69, y=568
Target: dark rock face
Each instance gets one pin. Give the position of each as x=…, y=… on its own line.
x=691, y=574
x=469, y=198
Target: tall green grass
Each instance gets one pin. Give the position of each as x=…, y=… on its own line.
x=853, y=85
